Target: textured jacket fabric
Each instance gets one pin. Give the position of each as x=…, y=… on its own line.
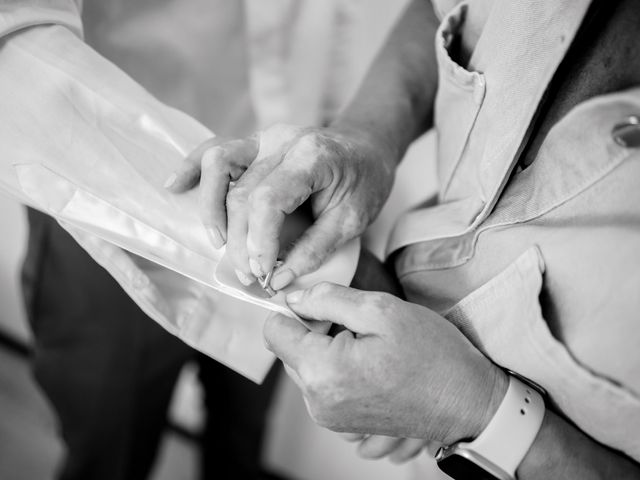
x=538, y=267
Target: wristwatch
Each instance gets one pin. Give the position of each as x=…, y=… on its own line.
x=498, y=451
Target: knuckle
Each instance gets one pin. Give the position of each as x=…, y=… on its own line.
x=323, y=289
x=281, y=130
x=354, y=220
x=317, y=382
x=212, y=157
x=324, y=386
x=377, y=305
x=262, y=196
x=309, y=141
x=310, y=255
x=309, y=148
x=309, y=378
x=326, y=397
x=236, y=198
x=380, y=302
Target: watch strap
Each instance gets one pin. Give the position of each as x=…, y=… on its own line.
x=507, y=438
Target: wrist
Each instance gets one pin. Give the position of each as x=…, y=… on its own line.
x=499, y=450
x=499, y=382
x=385, y=140
x=482, y=401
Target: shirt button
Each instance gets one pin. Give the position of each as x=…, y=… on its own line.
x=627, y=132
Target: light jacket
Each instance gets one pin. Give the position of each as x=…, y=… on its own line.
x=539, y=268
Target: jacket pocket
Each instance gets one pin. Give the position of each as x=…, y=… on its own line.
x=460, y=96
x=503, y=318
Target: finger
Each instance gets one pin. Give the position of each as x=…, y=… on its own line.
x=378, y=446
x=311, y=250
x=283, y=336
x=237, y=218
x=214, y=185
x=184, y=178
x=407, y=449
x=187, y=175
x=301, y=173
x=237, y=247
x=221, y=165
x=278, y=195
x=353, y=437
x=337, y=304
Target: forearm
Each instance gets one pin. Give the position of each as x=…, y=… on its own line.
x=561, y=451
x=395, y=101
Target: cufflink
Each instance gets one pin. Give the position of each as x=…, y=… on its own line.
x=265, y=280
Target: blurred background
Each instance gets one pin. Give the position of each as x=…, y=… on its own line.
x=302, y=60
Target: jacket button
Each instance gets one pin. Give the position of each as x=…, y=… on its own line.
x=627, y=132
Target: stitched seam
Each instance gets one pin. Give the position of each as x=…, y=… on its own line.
x=599, y=176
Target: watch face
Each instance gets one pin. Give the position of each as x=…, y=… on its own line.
x=460, y=468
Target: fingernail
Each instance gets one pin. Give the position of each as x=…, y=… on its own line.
x=256, y=268
x=244, y=278
x=171, y=180
x=216, y=237
x=282, y=278
x=294, y=297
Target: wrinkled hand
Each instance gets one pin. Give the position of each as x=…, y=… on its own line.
x=249, y=186
x=398, y=370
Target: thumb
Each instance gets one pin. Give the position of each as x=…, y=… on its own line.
x=330, y=302
x=283, y=336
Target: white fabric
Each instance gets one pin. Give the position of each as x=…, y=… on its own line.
x=83, y=142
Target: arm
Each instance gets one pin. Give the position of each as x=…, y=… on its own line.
x=560, y=451
x=404, y=371
x=345, y=170
x=395, y=101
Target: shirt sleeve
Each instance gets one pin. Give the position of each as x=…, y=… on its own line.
x=16, y=15
x=57, y=91
x=86, y=144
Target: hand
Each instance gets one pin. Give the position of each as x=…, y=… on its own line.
x=399, y=370
x=398, y=450
x=346, y=174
